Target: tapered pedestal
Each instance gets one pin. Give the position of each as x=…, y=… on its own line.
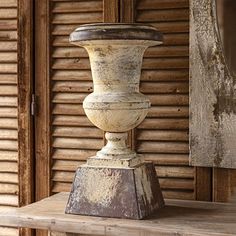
x=115, y=192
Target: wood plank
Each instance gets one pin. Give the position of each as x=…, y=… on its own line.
x=68, y=109
x=161, y=87
x=8, y=155
x=9, y=188
x=69, y=98
x=8, y=35
x=6, y=231
x=8, y=134
x=164, y=124
x=168, y=111
x=165, y=75
x=8, y=166
x=8, y=68
x=163, y=15
x=8, y=25
x=110, y=11
x=167, y=51
x=67, y=75
x=8, y=101
x=8, y=112
x=162, y=135
x=169, y=99
x=72, y=154
x=74, y=18
x=8, y=56
x=8, y=79
x=77, y=132
x=8, y=46
x=11, y=178
x=176, y=39
x=10, y=123
x=25, y=119
x=183, y=195
x=167, y=63
x=179, y=217
x=8, y=3
x=175, y=172
x=162, y=147
x=176, y=184
x=77, y=143
x=221, y=185
x=203, y=184
x=8, y=13
x=172, y=26
x=157, y=4
x=167, y=159
x=65, y=165
x=42, y=89
x=79, y=121
x=9, y=200
x=72, y=86
x=10, y=90
x=82, y=6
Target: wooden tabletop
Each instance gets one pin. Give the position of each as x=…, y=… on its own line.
x=177, y=218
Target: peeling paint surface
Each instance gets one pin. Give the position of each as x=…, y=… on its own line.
x=212, y=92
x=116, y=182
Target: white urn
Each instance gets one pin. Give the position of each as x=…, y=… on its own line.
x=116, y=105
x=116, y=182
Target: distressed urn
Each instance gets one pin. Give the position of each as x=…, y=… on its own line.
x=116, y=182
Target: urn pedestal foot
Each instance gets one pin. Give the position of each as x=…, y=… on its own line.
x=132, y=193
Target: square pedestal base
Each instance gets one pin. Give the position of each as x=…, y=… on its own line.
x=115, y=192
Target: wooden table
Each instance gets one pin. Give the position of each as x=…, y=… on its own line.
x=177, y=218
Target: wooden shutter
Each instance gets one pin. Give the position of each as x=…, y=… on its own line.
x=74, y=138
x=163, y=136
x=8, y=109
x=64, y=135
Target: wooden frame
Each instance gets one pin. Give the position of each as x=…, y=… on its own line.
x=42, y=92
x=25, y=91
x=212, y=115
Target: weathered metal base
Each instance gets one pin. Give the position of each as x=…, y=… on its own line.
x=115, y=192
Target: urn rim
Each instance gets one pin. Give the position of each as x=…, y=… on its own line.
x=116, y=31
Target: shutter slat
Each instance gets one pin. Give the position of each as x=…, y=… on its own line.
x=163, y=15
x=168, y=111
x=8, y=3
x=72, y=154
x=75, y=18
x=157, y=4
x=162, y=135
x=84, y=6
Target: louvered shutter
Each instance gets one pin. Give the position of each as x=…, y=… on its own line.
x=163, y=136
x=8, y=109
x=74, y=138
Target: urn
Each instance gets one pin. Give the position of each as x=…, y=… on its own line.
x=126, y=186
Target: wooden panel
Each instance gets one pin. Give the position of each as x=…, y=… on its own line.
x=72, y=136
x=9, y=188
x=212, y=123
x=163, y=135
x=177, y=218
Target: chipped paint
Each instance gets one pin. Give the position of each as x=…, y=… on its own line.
x=212, y=92
x=100, y=185
x=116, y=182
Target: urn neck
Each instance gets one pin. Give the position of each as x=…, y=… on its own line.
x=116, y=67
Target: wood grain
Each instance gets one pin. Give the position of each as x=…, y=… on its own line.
x=177, y=218
x=212, y=123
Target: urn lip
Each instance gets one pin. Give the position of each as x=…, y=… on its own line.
x=116, y=31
